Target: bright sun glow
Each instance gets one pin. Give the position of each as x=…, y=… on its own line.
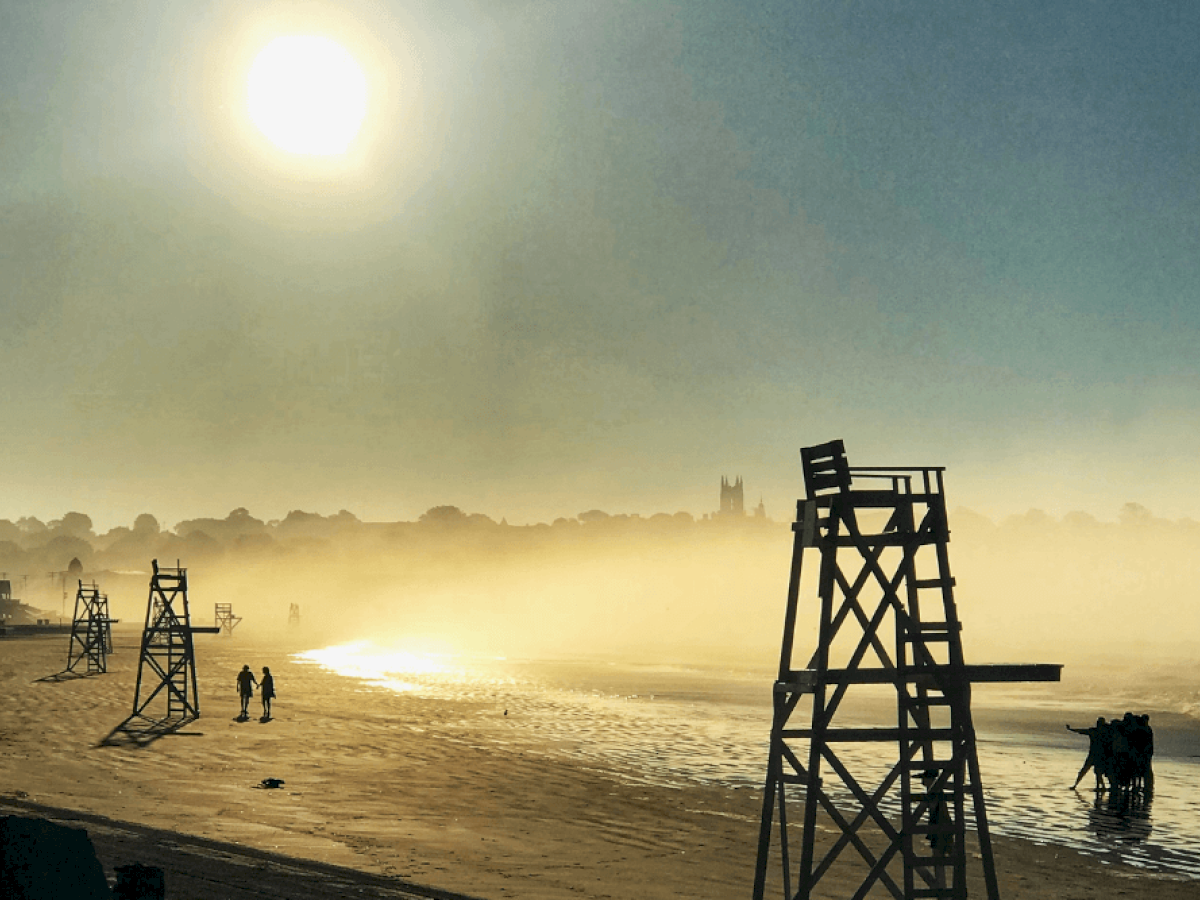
x=389, y=668
x=307, y=95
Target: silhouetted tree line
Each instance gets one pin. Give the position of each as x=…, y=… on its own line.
x=1064, y=565
x=35, y=548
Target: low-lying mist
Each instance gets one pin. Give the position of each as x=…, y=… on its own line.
x=705, y=595
x=667, y=588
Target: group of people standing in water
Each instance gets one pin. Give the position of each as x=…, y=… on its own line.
x=1121, y=751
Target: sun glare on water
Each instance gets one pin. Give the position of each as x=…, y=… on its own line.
x=308, y=95
x=383, y=667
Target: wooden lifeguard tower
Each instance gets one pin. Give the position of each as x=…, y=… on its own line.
x=888, y=624
x=91, y=631
x=168, y=661
x=225, y=619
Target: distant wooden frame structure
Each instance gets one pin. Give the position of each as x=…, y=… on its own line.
x=91, y=632
x=168, y=660
x=881, y=537
x=225, y=619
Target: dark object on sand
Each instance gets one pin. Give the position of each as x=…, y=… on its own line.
x=138, y=882
x=272, y=782
x=40, y=860
x=888, y=617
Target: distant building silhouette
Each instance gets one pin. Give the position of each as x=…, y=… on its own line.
x=760, y=511
x=732, y=503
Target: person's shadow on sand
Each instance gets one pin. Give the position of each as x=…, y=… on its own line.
x=264, y=719
x=242, y=717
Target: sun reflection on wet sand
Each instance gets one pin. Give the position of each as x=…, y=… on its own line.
x=677, y=725
x=394, y=669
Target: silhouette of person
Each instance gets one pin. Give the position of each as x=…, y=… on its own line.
x=268, y=691
x=940, y=839
x=1099, y=752
x=246, y=684
x=1124, y=757
x=1141, y=744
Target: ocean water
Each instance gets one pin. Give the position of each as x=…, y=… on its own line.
x=675, y=725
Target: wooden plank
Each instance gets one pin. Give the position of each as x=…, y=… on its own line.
x=864, y=735
x=1014, y=672
x=891, y=539
x=876, y=498
x=804, y=679
x=922, y=583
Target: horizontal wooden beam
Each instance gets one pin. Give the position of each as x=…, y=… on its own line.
x=862, y=735
x=804, y=679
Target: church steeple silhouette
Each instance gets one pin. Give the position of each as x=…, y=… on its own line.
x=731, y=497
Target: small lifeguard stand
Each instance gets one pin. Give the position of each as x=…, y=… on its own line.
x=888, y=623
x=91, y=631
x=294, y=614
x=226, y=620
x=168, y=660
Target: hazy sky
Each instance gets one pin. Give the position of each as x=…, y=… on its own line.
x=596, y=254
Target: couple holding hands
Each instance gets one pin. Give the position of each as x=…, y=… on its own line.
x=246, y=684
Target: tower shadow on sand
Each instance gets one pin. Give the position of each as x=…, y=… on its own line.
x=64, y=675
x=140, y=731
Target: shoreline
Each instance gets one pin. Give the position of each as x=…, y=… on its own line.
x=397, y=786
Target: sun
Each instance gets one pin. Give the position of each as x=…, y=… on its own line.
x=308, y=95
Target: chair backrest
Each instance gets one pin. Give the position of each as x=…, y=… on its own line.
x=826, y=471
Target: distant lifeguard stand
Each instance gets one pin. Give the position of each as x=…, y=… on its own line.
x=294, y=614
x=91, y=632
x=168, y=660
x=887, y=619
x=226, y=620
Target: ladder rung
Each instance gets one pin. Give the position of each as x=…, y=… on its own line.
x=949, y=627
x=933, y=765
x=930, y=861
x=948, y=828
x=933, y=582
x=949, y=795
x=940, y=700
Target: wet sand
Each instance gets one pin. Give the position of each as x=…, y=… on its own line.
x=391, y=784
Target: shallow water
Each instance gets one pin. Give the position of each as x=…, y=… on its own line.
x=674, y=725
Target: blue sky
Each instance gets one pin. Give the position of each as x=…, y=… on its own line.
x=600, y=254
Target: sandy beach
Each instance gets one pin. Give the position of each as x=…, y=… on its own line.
x=400, y=788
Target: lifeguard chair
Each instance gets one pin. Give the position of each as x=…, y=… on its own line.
x=887, y=618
